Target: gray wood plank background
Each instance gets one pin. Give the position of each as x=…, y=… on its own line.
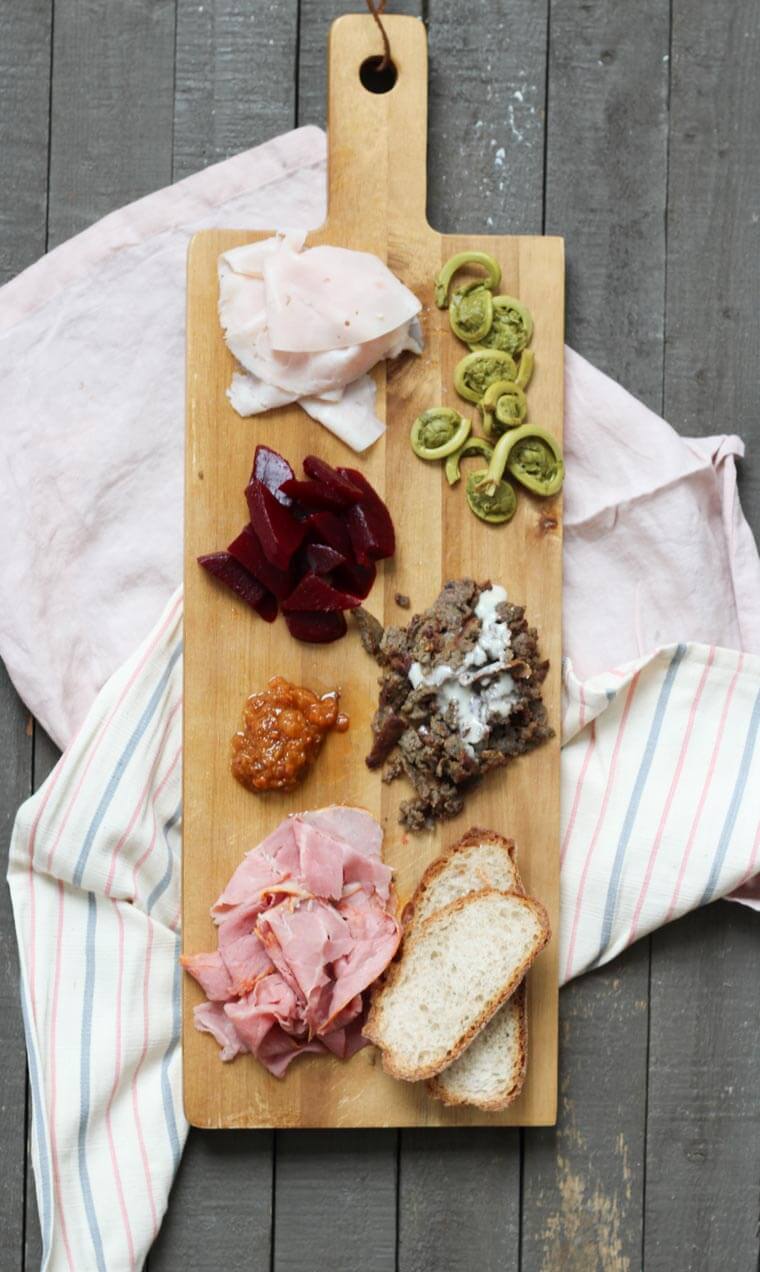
x=634, y=131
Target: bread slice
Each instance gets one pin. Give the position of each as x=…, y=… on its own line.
x=480, y=859
x=491, y=1072
x=455, y=971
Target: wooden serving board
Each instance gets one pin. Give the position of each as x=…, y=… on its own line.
x=377, y=181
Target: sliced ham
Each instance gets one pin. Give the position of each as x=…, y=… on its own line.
x=304, y=926
x=320, y=860
x=210, y=971
x=211, y=1018
x=241, y=948
x=355, y=826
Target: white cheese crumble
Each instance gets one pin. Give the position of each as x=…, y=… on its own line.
x=481, y=691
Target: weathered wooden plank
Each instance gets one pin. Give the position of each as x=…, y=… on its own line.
x=15, y=781
x=459, y=1200
x=605, y=190
x=235, y=78
x=44, y=759
x=314, y=27
x=606, y=181
x=235, y=87
x=335, y=1201
x=487, y=98
x=714, y=228
x=583, y=1182
x=703, y=1142
x=25, y=80
x=703, y=1145
x=112, y=107
x=110, y=141
x=220, y=1210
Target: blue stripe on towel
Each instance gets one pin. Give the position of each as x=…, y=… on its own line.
x=166, y=1090
x=122, y=763
x=733, y=808
x=89, y=983
x=613, y=889
x=165, y=880
x=84, y=1082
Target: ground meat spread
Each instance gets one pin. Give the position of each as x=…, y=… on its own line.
x=460, y=694
x=283, y=730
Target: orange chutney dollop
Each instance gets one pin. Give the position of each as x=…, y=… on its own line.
x=284, y=727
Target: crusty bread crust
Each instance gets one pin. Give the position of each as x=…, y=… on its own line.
x=373, y=1027
x=471, y=838
x=513, y=1088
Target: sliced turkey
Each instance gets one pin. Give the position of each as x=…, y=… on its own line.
x=307, y=325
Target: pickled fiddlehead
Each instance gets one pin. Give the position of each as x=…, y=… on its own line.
x=478, y=370
x=473, y=446
x=439, y=432
x=471, y=312
x=511, y=329
x=443, y=281
x=502, y=406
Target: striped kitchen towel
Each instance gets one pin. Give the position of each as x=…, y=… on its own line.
x=660, y=773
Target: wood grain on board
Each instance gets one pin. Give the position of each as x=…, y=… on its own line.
x=377, y=203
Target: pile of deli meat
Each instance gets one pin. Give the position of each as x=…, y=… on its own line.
x=308, y=325
x=305, y=925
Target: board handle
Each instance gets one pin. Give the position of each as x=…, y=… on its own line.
x=377, y=141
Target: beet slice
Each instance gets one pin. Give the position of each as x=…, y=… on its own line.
x=229, y=571
x=321, y=558
x=371, y=537
x=280, y=536
x=248, y=551
x=329, y=529
x=312, y=495
x=272, y=470
x=315, y=593
x=317, y=629
x=337, y=480
x=369, y=522
x=354, y=578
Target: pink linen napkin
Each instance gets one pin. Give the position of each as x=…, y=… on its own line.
x=92, y=394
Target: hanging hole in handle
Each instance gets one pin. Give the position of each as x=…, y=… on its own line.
x=374, y=79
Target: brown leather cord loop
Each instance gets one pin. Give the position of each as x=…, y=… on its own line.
x=377, y=8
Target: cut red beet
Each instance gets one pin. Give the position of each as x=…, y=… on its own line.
x=369, y=522
x=317, y=629
x=248, y=551
x=312, y=495
x=315, y=593
x=371, y=537
x=357, y=579
x=329, y=529
x=272, y=470
x=225, y=568
x=333, y=479
x=321, y=558
x=279, y=534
